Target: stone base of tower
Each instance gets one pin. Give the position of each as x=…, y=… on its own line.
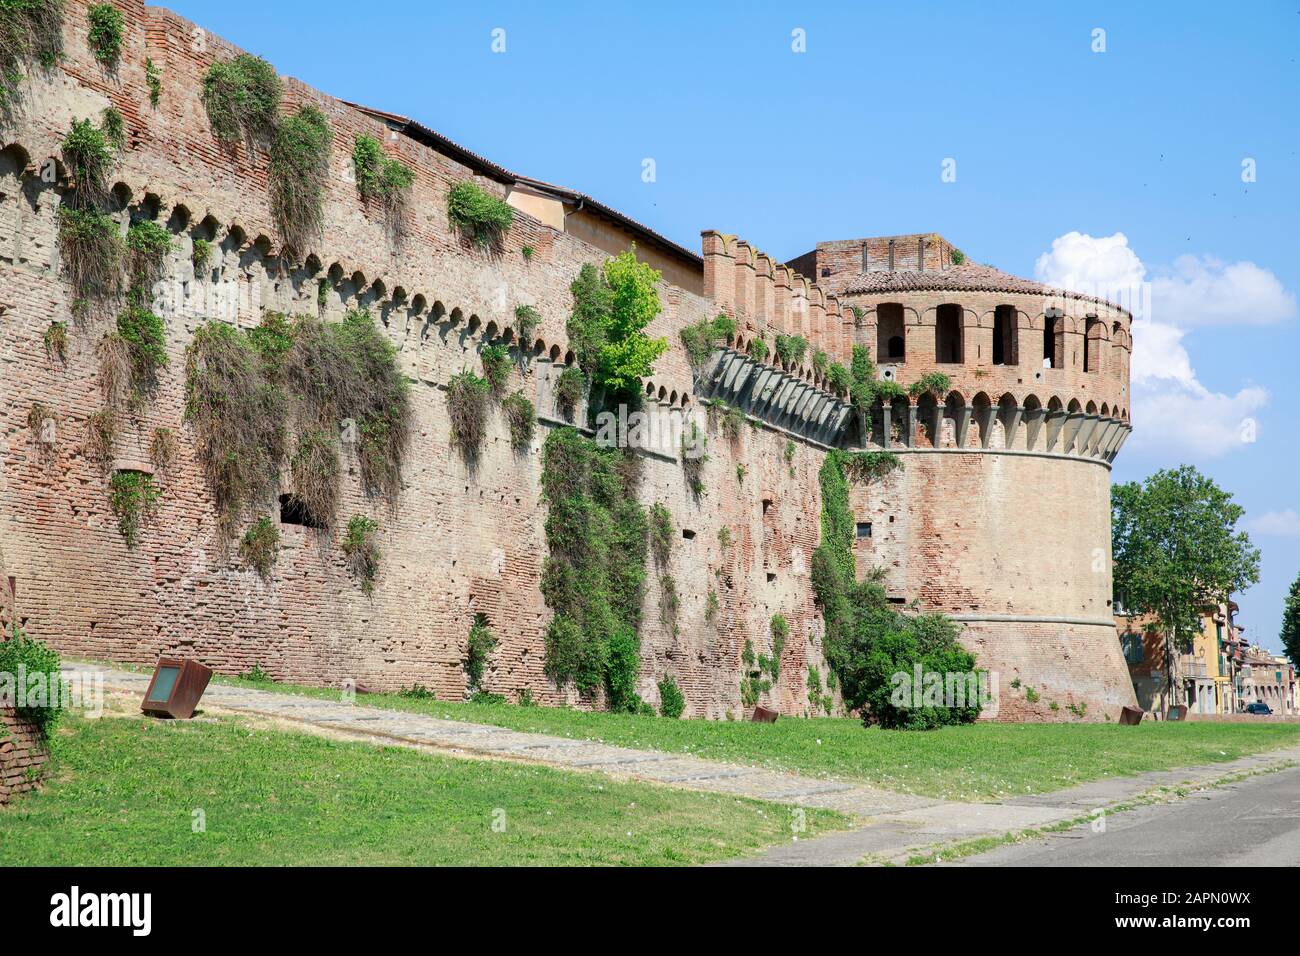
x=1051, y=672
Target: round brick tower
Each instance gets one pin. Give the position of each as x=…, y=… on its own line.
x=1000, y=517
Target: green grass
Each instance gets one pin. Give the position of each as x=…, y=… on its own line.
x=971, y=762
x=123, y=792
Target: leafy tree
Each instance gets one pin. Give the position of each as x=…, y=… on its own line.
x=1176, y=548
x=611, y=309
x=1291, y=623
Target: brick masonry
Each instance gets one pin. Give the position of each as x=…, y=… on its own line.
x=22, y=755
x=987, y=533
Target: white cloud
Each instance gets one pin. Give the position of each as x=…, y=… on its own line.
x=1285, y=523
x=1173, y=413
x=1202, y=290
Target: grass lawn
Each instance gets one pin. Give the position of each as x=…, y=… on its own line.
x=974, y=762
x=123, y=792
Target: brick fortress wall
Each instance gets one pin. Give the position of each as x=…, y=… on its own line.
x=459, y=542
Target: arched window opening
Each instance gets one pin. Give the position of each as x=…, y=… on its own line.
x=890, y=334
x=1005, y=351
x=1053, y=341
x=947, y=335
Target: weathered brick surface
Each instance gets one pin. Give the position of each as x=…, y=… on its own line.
x=458, y=542
x=22, y=755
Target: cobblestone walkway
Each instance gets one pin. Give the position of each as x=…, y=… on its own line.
x=891, y=823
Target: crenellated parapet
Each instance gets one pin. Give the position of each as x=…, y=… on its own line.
x=768, y=298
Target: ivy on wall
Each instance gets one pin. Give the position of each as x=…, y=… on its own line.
x=31, y=34
x=593, y=578
x=867, y=640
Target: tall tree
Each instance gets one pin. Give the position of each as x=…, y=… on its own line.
x=1291, y=623
x=1176, y=549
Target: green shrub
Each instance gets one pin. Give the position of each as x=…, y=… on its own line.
x=936, y=383
x=107, y=32
x=790, y=349
x=91, y=252
x=132, y=495
x=238, y=413
x=145, y=338
x=89, y=152
x=56, y=341
x=153, y=80
x=478, y=215
x=593, y=578
x=478, y=649
x=417, y=692
x=201, y=255
x=711, y=605
x=611, y=309
x=672, y=703
x=757, y=350
x=526, y=320
x=521, y=417
x=820, y=362
x=31, y=33
x=382, y=179
x=242, y=98
x=260, y=545
x=300, y=154
x=26, y=656
x=147, y=245
x=704, y=337
x=528, y=253
x=662, y=533
x=496, y=367
x=957, y=257
x=569, y=389
x=693, y=458
x=838, y=378
x=467, y=402
x=362, y=550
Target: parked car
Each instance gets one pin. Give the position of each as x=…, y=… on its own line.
x=1259, y=708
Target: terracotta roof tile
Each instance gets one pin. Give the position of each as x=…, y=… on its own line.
x=968, y=277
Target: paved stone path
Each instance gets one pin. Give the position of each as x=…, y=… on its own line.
x=892, y=824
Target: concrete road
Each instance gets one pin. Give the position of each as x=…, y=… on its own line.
x=1252, y=823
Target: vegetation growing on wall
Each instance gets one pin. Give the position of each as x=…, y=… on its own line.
x=701, y=339
x=107, y=33
x=91, y=252
x=521, y=417
x=21, y=654
x=672, y=702
x=790, y=349
x=259, y=546
x=868, y=641
x=56, y=341
x=101, y=433
x=594, y=574
x=693, y=457
x=757, y=349
x=361, y=547
x=153, y=80
x=569, y=389
x=132, y=495
x=478, y=650
x=201, y=255
x=89, y=152
x=935, y=383
x=144, y=343
x=147, y=245
x=957, y=257
x=31, y=33
x=467, y=405
x=526, y=319
x=244, y=390
x=242, y=98
x=382, y=179
x=839, y=378
x=496, y=367
x=611, y=309
x=162, y=448
x=820, y=363
x=479, y=216
x=299, y=165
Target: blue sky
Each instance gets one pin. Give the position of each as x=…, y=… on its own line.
x=846, y=139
